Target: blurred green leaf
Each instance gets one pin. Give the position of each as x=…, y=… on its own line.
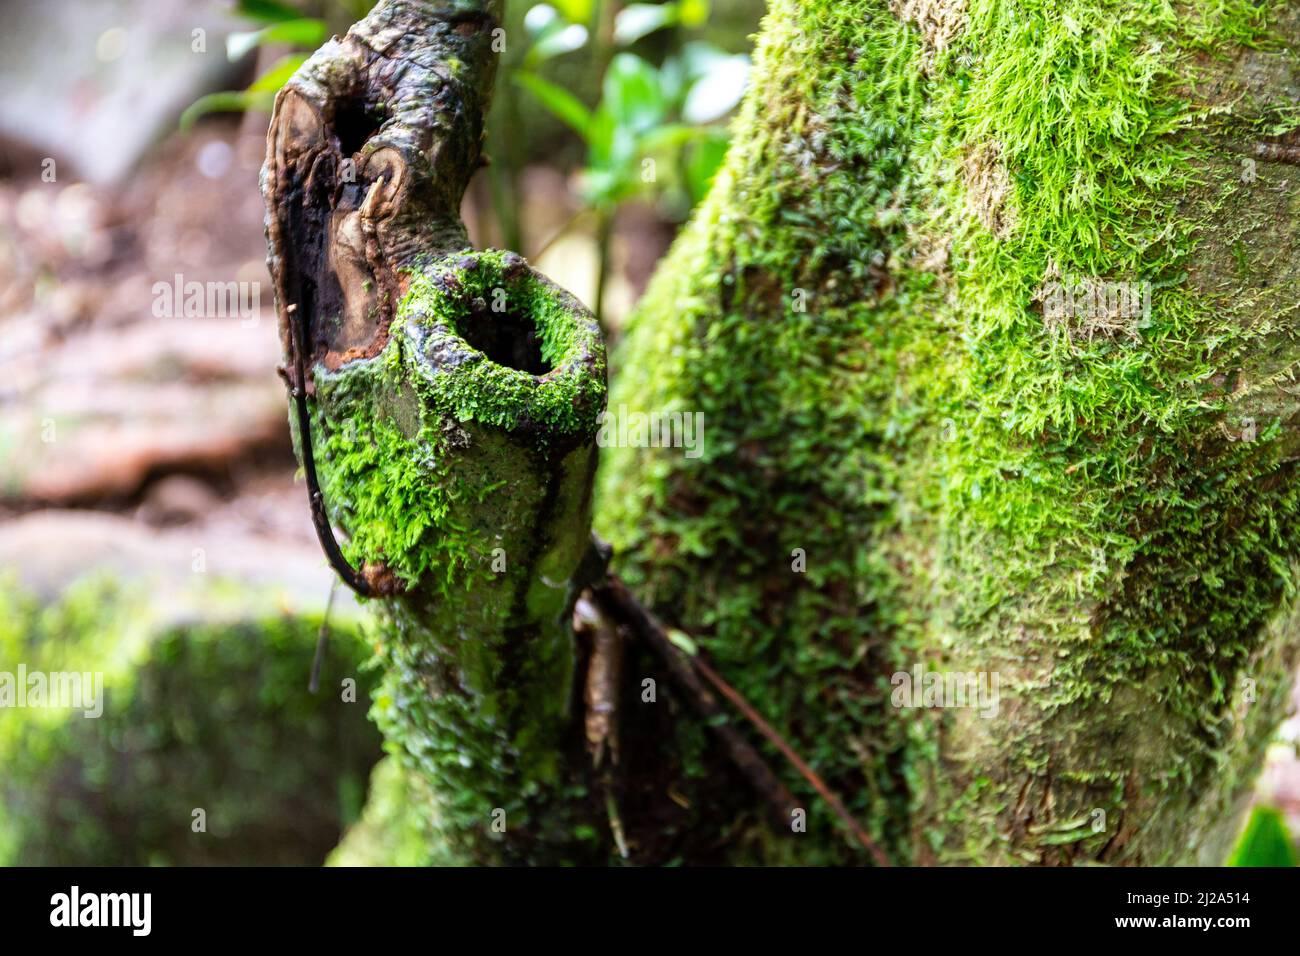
x=601, y=187
x=278, y=74
x=637, y=20
x=667, y=137
x=703, y=161
x=541, y=19
x=1264, y=841
x=694, y=13
x=600, y=138
x=718, y=89
x=611, y=145
x=681, y=640
x=700, y=57
x=231, y=101
x=559, y=101
x=632, y=93
x=577, y=11
x=673, y=80
x=267, y=11
x=556, y=42
x=303, y=32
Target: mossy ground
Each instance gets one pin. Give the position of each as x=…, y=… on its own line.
x=973, y=487
x=214, y=715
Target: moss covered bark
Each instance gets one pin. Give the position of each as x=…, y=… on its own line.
x=452, y=398
x=472, y=480
x=1098, y=505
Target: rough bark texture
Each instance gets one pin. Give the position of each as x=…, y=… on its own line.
x=1102, y=513
x=447, y=402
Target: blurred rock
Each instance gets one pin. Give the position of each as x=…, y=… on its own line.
x=184, y=569
x=92, y=417
x=177, y=499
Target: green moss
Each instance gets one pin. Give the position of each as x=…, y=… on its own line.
x=440, y=299
x=398, y=825
x=470, y=478
x=211, y=715
x=384, y=465
x=974, y=484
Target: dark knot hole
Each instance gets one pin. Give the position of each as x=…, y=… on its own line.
x=354, y=123
x=508, y=337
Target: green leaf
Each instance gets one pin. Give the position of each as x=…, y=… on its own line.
x=637, y=20
x=668, y=137
x=231, y=101
x=601, y=187
x=541, y=20
x=700, y=57
x=267, y=11
x=610, y=145
x=632, y=93
x=681, y=640
x=303, y=32
x=1264, y=841
x=600, y=138
x=577, y=11
x=703, y=162
x=694, y=13
x=278, y=74
x=557, y=42
x=559, y=101
x=717, y=91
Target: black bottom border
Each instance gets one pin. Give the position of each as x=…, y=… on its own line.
x=333, y=906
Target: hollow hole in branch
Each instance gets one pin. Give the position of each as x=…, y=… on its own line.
x=508, y=338
x=354, y=123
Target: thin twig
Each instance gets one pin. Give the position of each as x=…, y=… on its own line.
x=619, y=602
x=614, y=597
x=768, y=731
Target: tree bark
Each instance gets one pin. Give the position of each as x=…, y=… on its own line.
x=449, y=398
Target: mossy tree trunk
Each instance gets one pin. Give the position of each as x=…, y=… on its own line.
x=915, y=455
x=1094, y=505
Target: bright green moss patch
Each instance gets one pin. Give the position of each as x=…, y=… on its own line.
x=430, y=398
x=398, y=825
x=761, y=319
x=211, y=716
x=459, y=292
